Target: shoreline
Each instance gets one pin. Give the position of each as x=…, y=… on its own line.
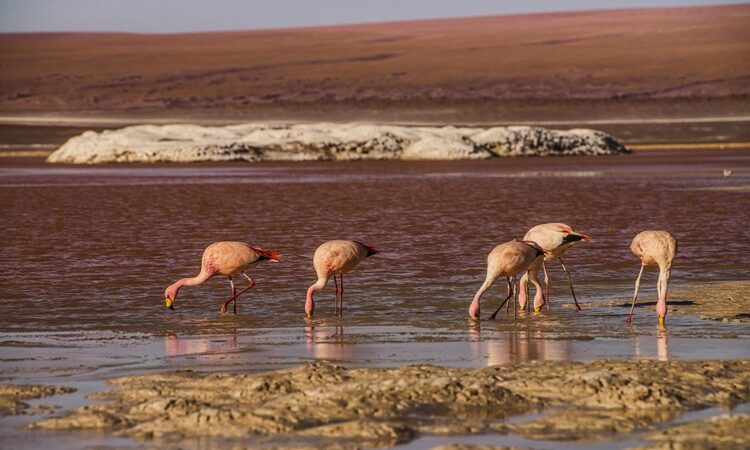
x=605, y=401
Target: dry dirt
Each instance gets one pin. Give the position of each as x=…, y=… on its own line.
x=593, y=64
x=374, y=407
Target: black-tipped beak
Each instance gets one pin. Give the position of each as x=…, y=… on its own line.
x=171, y=307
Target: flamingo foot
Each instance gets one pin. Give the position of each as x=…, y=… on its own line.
x=629, y=319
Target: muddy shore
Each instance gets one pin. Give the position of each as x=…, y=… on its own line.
x=330, y=405
x=726, y=301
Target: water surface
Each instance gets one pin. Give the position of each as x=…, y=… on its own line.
x=92, y=248
x=88, y=251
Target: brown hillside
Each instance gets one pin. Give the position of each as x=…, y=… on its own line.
x=636, y=57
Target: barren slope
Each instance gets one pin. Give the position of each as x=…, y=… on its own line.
x=684, y=56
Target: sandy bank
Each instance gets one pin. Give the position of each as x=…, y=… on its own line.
x=12, y=396
x=727, y=301
x=326, y=142
x=354, y=407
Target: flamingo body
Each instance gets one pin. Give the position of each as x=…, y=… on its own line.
x=655, y=247
x=555, y=239
x=224, y=258
x=333, y=258
x=506, y=260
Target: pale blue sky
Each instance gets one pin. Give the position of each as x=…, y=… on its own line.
x=176, y=16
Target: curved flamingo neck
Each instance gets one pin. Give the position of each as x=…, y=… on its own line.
x=199, y=279
x=474, y=307
x=661, y=304
x=310, y=300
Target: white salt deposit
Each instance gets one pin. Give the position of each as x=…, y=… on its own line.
x=325, y=142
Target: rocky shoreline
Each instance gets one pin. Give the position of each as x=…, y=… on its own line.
x=254, y=142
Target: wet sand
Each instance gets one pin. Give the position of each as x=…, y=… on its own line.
x=327, y=405
x=12, y=396
x=727, y=301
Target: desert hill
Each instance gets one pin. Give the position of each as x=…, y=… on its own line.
x=628, y=63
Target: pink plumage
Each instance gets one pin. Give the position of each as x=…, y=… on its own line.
x=555, y=239
x=655, y=247
x=335, y=258
x=506, y=260
x=228, y=259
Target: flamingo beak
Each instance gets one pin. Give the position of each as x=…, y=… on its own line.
x=169, y=302
x=661, y=321
x=537, y=309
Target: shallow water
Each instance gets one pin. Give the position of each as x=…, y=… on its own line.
x=88, y=251
x=94, y=247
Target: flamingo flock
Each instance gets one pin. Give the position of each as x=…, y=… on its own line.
x=542, y=243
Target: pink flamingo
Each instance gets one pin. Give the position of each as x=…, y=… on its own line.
x=224, y=258
x=555, y=239
x=506, y=260
x=655, y=247
x=335, y=258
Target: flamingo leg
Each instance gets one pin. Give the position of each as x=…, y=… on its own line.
x=510, y=294
x=507, y=305
x=235, y=294
x=546, y=284
x=515, y=300
x=528, y=291
x=250, y=284
x=336, y=299
x=635, y=295
x=570, y=282
x=341, y=296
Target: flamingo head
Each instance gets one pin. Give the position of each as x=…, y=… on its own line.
x=169, y=296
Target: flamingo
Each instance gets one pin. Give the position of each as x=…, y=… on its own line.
x=507, y=260
x=224, y=258
x=655, y=247
x=555, y=239
x=335, y=258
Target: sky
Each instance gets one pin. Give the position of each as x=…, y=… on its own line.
x=178, y=16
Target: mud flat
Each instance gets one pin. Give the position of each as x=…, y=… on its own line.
x=326, y=142
x=12, y=396
x=726, y=301
x=327, y=404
